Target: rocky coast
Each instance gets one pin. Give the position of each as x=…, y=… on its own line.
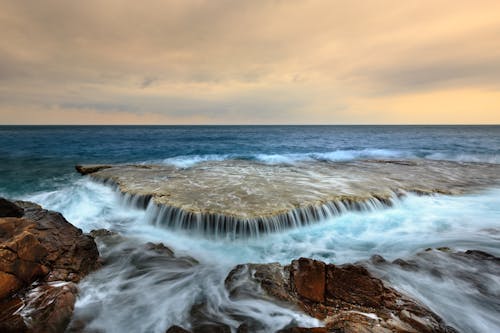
x=43, y=258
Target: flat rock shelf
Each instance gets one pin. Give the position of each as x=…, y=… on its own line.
x=247, y=198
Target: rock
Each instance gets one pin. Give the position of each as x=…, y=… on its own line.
x=49, y=307
x=8, y=284
x=304, y=330
x=347, y=298
x=9, y=209
x=245, y=198
x=212, y=328
x=102, y=233
x=41, y=255
x=177, y=329
x=308, y=278
x=353, y=285
x=88, y=169
x=160, y=248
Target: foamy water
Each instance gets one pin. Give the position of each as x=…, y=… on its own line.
x=140, y=293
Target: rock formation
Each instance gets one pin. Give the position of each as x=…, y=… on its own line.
x=42, y=256
x=347, y=298
x=246, y=198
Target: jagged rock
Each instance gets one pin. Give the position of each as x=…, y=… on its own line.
x=347, y=298
x=88, y=169
x=9, y=209
x=41, y=255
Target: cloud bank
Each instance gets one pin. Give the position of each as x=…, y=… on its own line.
x=249, y=62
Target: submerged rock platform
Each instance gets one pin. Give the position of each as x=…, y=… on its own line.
x=247, y=198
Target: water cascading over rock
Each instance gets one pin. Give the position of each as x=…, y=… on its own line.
x=240, y=198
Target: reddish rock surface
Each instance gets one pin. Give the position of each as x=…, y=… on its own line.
x=308, y=278
x=347, y=298
x=41, y=257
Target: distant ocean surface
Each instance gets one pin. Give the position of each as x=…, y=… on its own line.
x=37, y=164
x=37, y=158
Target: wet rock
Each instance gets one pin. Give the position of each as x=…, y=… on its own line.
x=377, y=259
x=347, y=298
x=49, y=307
x=160, y=248
x=9, y=209
x=102, y=233
x=308, y=278
x=88, y=169
x=252, y=198
x=407, y=265
x=177, y=329
x=41, y=254
x=212, y=328
x=353, y=285
x=304, y=330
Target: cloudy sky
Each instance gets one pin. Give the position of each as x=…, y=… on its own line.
x=249, y=62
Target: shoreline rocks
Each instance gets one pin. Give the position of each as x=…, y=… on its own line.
x=346, y=298
x=42, y=257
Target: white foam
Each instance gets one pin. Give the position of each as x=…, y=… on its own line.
x=413, y=224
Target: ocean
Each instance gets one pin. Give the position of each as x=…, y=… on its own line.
x=37, y=164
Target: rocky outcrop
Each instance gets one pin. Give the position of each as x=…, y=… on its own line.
x=42, y=256
x=346, y=298
x=246, y=198
x=88, y=169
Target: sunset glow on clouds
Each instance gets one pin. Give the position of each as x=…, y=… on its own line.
x=249, y=62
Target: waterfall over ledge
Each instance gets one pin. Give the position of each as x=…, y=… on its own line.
x=238, y=198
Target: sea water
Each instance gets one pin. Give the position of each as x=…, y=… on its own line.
x=143, y=294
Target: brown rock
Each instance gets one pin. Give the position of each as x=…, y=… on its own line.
x=8, y=284
x=40, y=247
x=353, y=301
x=10, y=320
x=354, y=285
x=308, y=278
x=49, y=307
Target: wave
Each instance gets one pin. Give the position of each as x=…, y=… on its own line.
x=186, y=161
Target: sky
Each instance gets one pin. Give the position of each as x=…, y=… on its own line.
x=249, y=62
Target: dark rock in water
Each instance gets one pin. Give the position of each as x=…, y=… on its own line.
x=177, y=329
x=304, y=330
x=212, y=328
x=9, y=209
x=41, y=256
x=102, y=233
x=347, y=298
x=160, y=248
x=88, y=169
x=377, y=259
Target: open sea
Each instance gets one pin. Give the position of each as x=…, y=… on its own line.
x=37, y=164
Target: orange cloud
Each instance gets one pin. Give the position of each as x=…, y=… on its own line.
x=249, y=62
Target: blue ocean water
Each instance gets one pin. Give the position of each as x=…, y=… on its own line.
x=37, y=164
x=38, y=158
